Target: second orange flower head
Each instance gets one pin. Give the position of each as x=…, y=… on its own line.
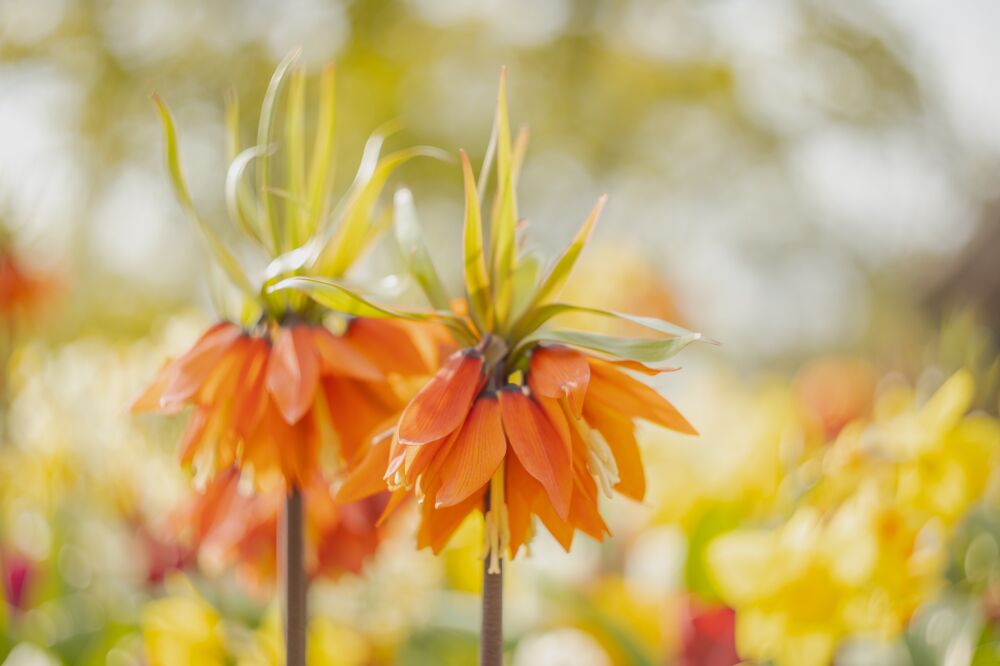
x=280, y=380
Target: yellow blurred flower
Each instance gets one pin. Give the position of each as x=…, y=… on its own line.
x=866, y=545
x=183, y=629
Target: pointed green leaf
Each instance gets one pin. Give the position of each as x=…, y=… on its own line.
x=226, y=260
x=232, y=122
x=295, y=206
x=633, y=349
x=539, y=316
x=503, y=223
x=239, y=200
x=556, y=278
x=477, y=281
x=336, y=296
x=410, y=237
x=321, y=170
x=353, y=233
x=265, y=131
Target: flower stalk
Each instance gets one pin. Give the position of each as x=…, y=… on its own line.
x=491, y=627
x=293, y=578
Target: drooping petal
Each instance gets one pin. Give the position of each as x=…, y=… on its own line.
x=438, y=525
x=475, y=455
x=557, y=372
x=391, y=346
x=220, y=384
x=293, y=372
x=619, y=432
x=149, y=399
x=520, y=493
x=251, y=400
x=357, y=409
x=538, y=446
x=339, y=357
x=365, y=478
x=194, y=367
x=615, y=390
x=194, y=433
x=442, y=405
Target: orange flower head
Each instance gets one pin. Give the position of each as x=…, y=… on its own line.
x=277, y=389
x=527, y=419
x=226, y=526
x=21, y=292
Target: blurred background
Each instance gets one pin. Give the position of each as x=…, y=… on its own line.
x=813, y=184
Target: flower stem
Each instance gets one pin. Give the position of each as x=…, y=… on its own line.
x=293, y=578
x=491, y=629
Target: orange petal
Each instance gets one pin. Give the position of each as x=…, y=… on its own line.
x=619, y=432
x=194, y=367
x=250, y=400
x=556, y=372
x=338, y=357
x=521, y=491
x=194, y=433
x=620, y=393
x=442, y=404
x=395, y=501
x=438, y=525
x=357, y=410
x=293, y=373
x=149, y=399
x=475, y=455
x=538, y=446
x=365, y=478
x=390, y=346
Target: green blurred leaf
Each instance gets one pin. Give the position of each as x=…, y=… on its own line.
x=557, y=276
x=321, y=169
x=410, y=237
x=265, y=131
x=226, y=260
x=477, y=281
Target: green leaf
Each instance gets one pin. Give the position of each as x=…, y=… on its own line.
x=226, y=260
x=232, y=123
x=477, y=281
x=644, y=350
x=557, y=276
x=522, y=283
x=321, y=170
x=338, y=297
x=410, y=237
x=265, y=130
x=353, y=234
x=539, y=316
x=295, y=208
x=503, y=223
x=239, y=202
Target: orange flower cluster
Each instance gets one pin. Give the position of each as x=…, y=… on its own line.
x=226, y=526
x=557, y=442
x=275, y=398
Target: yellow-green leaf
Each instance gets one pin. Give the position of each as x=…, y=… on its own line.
x=340, y=298
x=632, y=349
x=561, y=270
x=410, y=238
x=353, y=233
x=503, y=223
x=321, y=169
x=477, y=281
x=295, y=208
x=226, y=260
x=265, y=130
